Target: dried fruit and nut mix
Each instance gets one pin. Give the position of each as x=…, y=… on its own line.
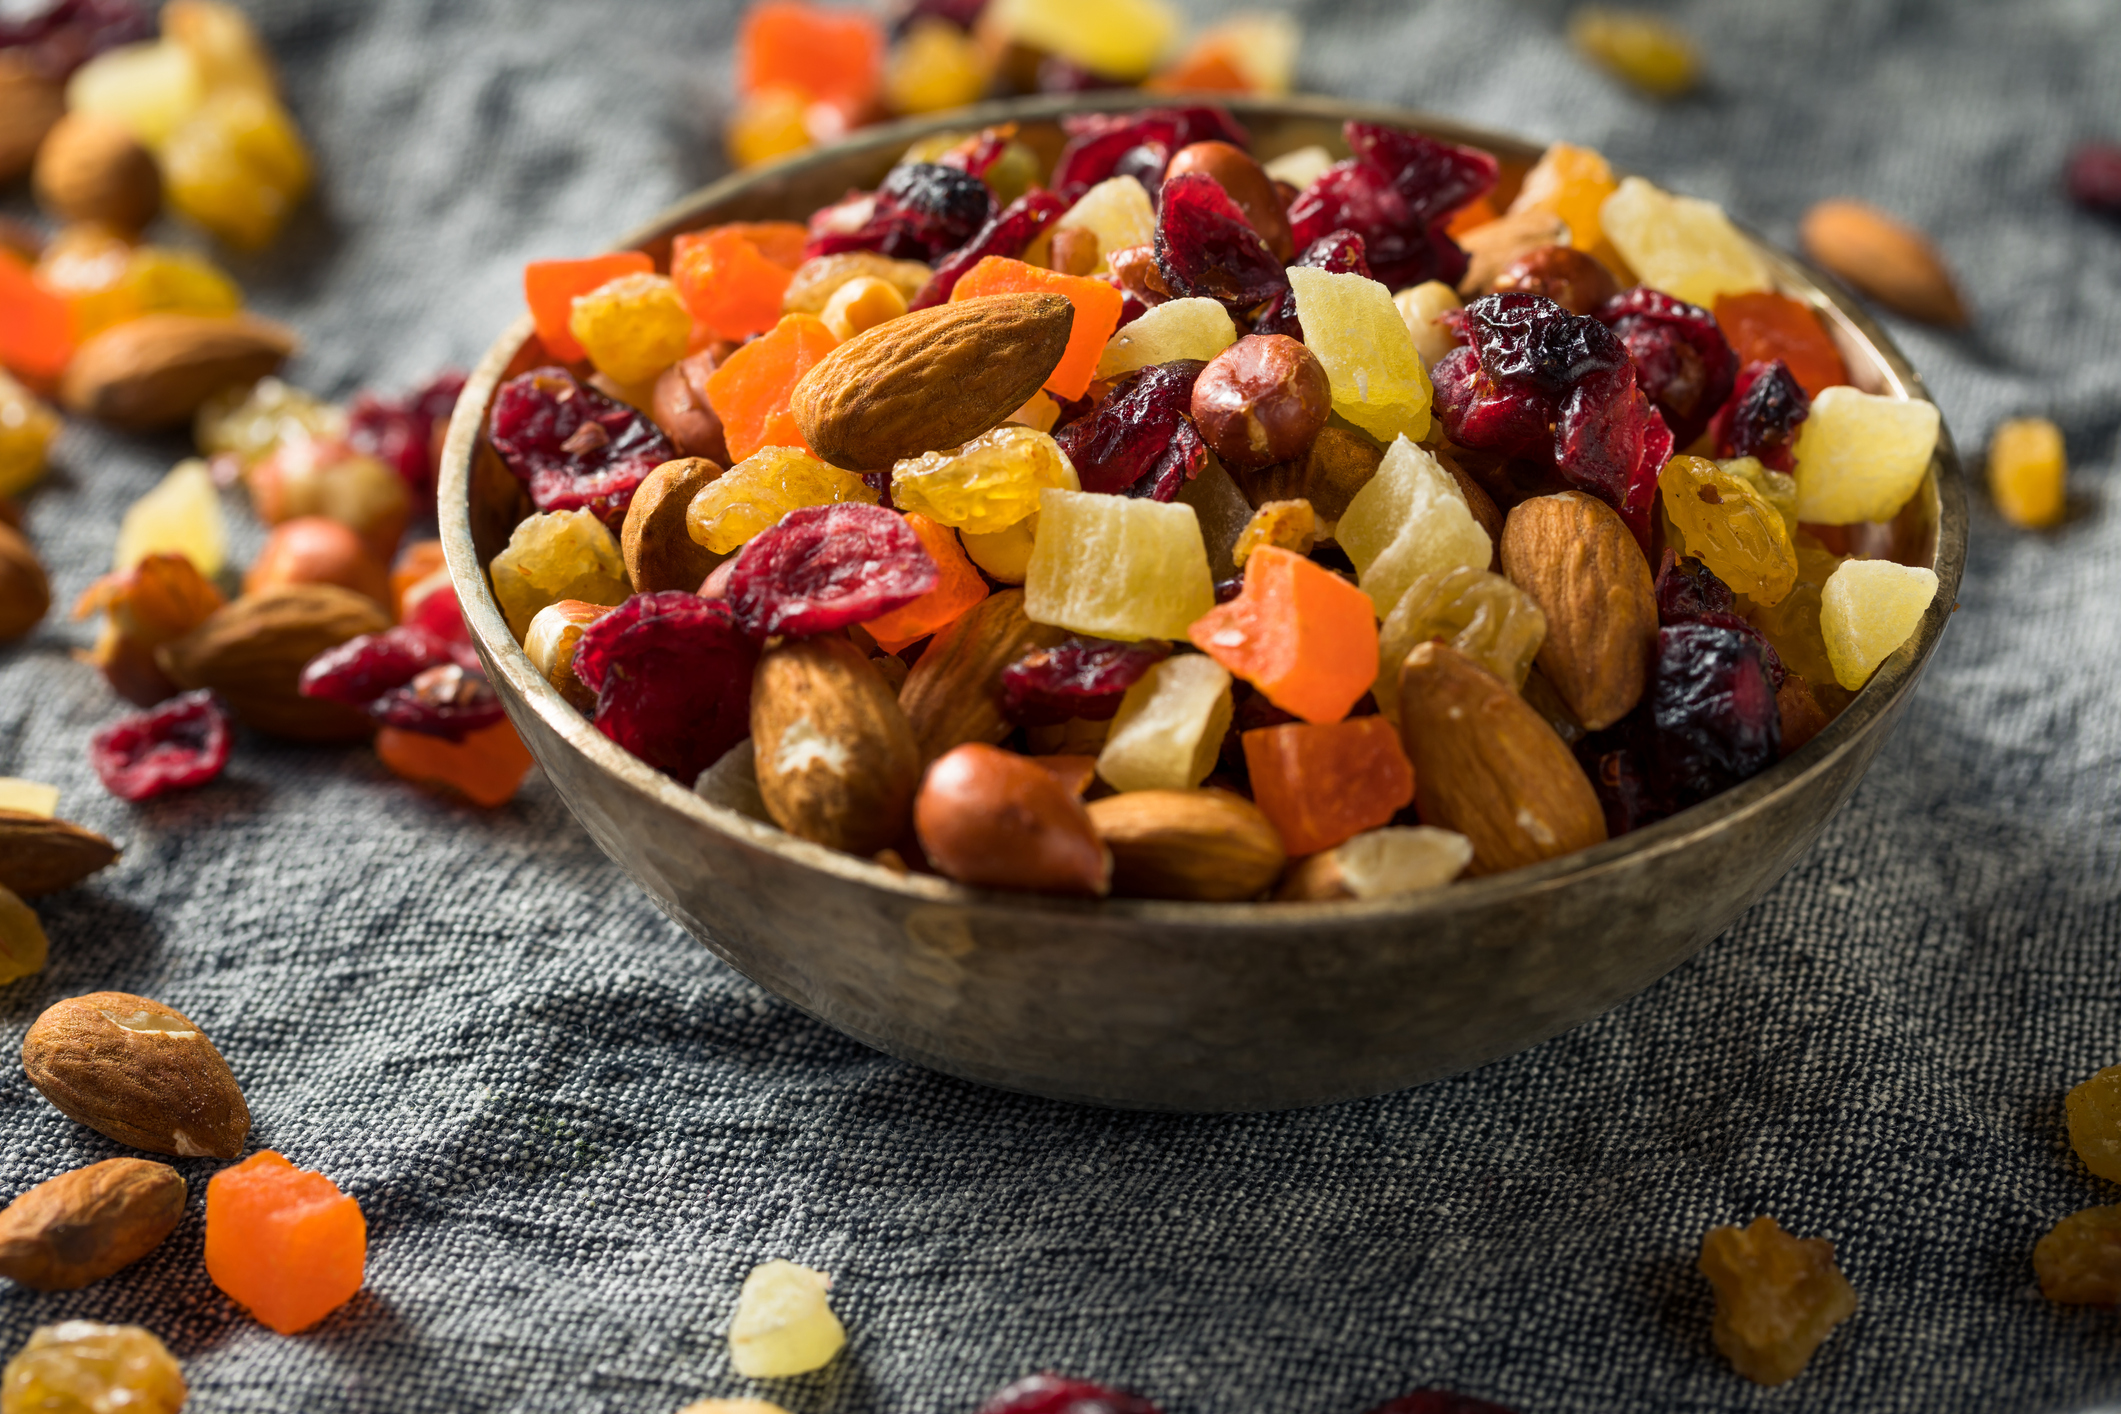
x=1325, y=511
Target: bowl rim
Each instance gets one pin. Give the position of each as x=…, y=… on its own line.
x=1894, y=680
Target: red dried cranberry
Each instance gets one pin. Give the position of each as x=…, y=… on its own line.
x=1341, y=252
x=1205, y=247
x=1713, y=709
x=447, y=700
x=1682, y=361
x=672, y=675
x=1139, y=434
x=2095, y=177
x=572, y=446
x=1688, y=592
x=1006, y=235
x=825, y=567
x=402, y=432
x=923, y=211
x=1395, y=193
x=61, y=38
x=1081, y=677
x=1098, y=142
x=1438, y=1401
x=360, y=670
x=1055, y=1394
x=1766, y=408
x=182, y=743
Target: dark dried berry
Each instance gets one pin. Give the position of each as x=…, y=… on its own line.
x=1139, y=435
x=1395, y=193
x=1341, y=252
x=1713, y=710
x=1006, y=235
x=360, y=670
x=572, y=446
x=672, y=675
x=182, y=743
x=1099, y=142
x=825, y=567
x=1688, y=592
x=405, y=433
x=1081, y=677
x=1683, y=363
x=2095, y=177
x=1438, y=1401
x=1206, y=248
x=1055, y=1394
x=1767, y=407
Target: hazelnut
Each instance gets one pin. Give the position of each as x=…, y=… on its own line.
x=1248, y=185
x=1262, y=400
x=680, y=407
x=317, y=550
x=1565, y=275
x=996, y=820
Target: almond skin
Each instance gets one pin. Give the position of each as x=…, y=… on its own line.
x=836, y=760
x=41, y=856
x=1207, y=845
x=156, y=370
x=253, y=651
x=137, y=1071
x=932, y=379
x=995, y=820
x=1578, y=560
x=80, y=1227
x=1891, y=262
x=953, y=694
x=1488, y=766
x=658, y=552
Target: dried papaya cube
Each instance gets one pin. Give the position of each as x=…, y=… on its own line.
x=1097, y=306
x=283, y=1242
x=1356, y=331
x=1867, y=610
x=36, y=327
x=732, y=287
x=1298, y=632
x=1861, y=456
x=632, y=328
x=759, y=490
x=1479, y=613
x=1763, y=326
x=487, y=767
x=550, y=288
x=1778, y=1297
x=1325, y=782
x=987, y=485
x=1169, y=728
x=1006, y=554
x=2027, y=472
x=2078, y=1263
x=2095, y=1123
x=180, y=516
x=1571, y=182
x=1408, y=520
x=835, y=55
x=1117, y=211
x=1731, y=527
x=1176, y=329
x=81, y=1367
x=557, y=555
x=1681, y=245
x=783, y=1325
x=958, y=587
x=749, y=392
x=1116, y=567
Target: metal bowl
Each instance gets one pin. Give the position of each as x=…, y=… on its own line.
x=1195, y=1007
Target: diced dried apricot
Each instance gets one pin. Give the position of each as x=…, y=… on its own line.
x=749, y=392
x=550, y=288
x=1324, y=782
x=283, y=1242
x=1298, y=632
x=834, y=55
x=958, y=587
x=731, y=286
x=1097, y=308
x=1763, y=326
x=36, y=327
x=487, y=767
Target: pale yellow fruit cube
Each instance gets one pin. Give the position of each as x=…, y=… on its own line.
x=1169, y=728
x=181, y=515
x=557, y=555
x=1868, y=609
x=1682, y=245
x=1006, y=554
x=1117, y=211
x=1117, y=567
x=1180, y=328
x=1861, y=456
x=989, y=484
x=761, y=489
x=29, y=797
x=1301, y=167
x=782, y=1325
x=1356, y=331
x=1409, y=520
x=1423, y=306
x=1401, y=859
x=1120, y=39
x=151, y=88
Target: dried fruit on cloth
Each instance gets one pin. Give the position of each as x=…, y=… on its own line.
x=86, y=1367
x=1777, y=1297
x=283, y=1242
x=185, y=742
x=572, y=447
x=672, y=675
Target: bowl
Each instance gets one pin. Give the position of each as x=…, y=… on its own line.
x=1183, y=1006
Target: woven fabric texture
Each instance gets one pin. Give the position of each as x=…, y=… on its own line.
x=573, y=1131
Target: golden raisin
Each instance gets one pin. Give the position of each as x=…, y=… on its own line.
x=1777, y=1297
x=2079, y=1261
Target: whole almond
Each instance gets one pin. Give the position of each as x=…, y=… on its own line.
x=30, y=104
x=156, y=370
x=931, y=379
x=78, y=1228
x=996, y=820
x=659, y=554
x=953, y=694
x=1891, y=262
x=1208, y=845
x=253, y=651
x=138, y=1071
x=1495, y=246
x=1488, y=766
x=42, y=856
x=92, y=168
x=25, y=590
x=835, y=758
x=1579, y=561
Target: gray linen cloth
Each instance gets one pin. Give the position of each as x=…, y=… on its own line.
x=573, y=1131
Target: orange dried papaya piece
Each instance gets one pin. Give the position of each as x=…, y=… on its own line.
x=731, y=286
x=1325, y=782
x=36, y=326
x=551, y=286
x=283, y=1242
x=487, y=767
x=1764, y=325
x=749, y=392
x=1298, y=632
x=958, y=587
x=1097, y=307
x=836, y=56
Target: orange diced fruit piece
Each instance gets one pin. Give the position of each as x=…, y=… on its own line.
x=749, y=392
x=836, y=55
x=550, y=288
x=36, y=326
x=1764, y=325
x=283, y=1242
x=958, y=587
x=731, y=286
x=1097, y=306
x=1325, y=782
x=487, y=767
x=1298, y=632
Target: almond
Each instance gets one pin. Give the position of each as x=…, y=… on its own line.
x=932, y=379
x=1207, y=845
x=78, y=1228
x=659, y=554
x=1579, y=561
x=92, y=168
x=30, y=104
x=25, y=590
x=253, y=651
x=953, y=694
x=836, y=760
x=39, y=855
x=156, y=370
x=137, y=1071
x=1891, y=262
x=1488, y=766
x=1494, y=246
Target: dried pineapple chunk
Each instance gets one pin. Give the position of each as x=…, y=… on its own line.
x=1860, y=456
x=1868, y=609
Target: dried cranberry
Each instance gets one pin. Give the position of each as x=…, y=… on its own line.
x=1713, y=710
x=1341, y=252
x=572, y=446
x=1682, y=361
x=2095, y=177
x=1205, y=247
x=63, y=37
x=672, y=675
x=182, y=743
x=360, y=670
x=1395, y=193
x=825, y=567
x=447, y=700
x=923, y=211
x=1438, y=1401
x=1097, y=142
x=1766, y=408
x=1055, y=1394
x=1081, y=677
x=401, y=432
x=1139, y=434
x=1688, y=592
x=1006, y=235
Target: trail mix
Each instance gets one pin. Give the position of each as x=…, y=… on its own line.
x=1360, y=513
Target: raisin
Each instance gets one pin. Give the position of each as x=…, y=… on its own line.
x=1683, y=363
x=2079, y=1261
x=1688, y=592
x=402, y=433
x=1081, y=677
x=1206, y=248
x=2094, y=178
x=448, y=700
x=672, y=675
x=1006, y=235
x=923, y=211
x=182, y=743
x=1342, y=252
x=1713, y=707
x=1099, y=142
x=825, y=567
x=571, y=446
x=1054, y=1394
x=1395, y=192
x=1139, y=435
x=360, y=670
x=1438, y=1401
x=1767, y=406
